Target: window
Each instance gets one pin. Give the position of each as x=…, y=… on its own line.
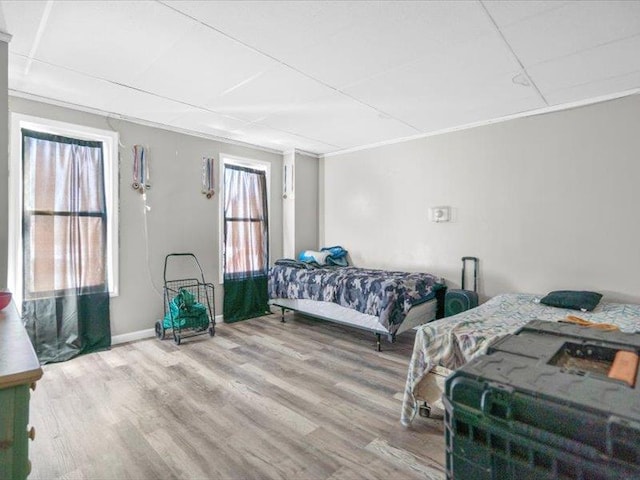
x=63, y=208
x=244, y=232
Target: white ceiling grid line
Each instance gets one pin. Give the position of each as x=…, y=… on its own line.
x=262, y=52
x=322, y=76
x=36, y=41
x=529, y=80
x=574, y=28
x=507, y=13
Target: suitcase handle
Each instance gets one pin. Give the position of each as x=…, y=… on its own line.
x=475, y=261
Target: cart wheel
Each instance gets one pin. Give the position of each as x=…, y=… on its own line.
x=177, y=339
x=212, y=331
x=159, y=330
x=424, y=410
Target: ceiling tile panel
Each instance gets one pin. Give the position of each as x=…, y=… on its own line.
x=338, y=120
x=275, y=27
x=577, y=26
x=388, y=35
x=201, y=66
x=210, y=123
x=277, y=89
x=599, y=88
x=343, y=42
x=56, y=83
x=21, y=19
x=594, y=65
x=472, y=70
x=507, y=13
x=445, y=117
x=111, y=40
x=52, y=82
x=496, y=97
x=136, y=104
x=279, y=140
x=321, y=75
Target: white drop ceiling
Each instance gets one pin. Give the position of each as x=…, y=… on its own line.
x=321, y=76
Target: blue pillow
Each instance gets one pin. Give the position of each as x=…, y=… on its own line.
x=310, y=256
x=573, y=300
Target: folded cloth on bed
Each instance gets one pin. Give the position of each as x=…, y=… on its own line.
x=292, y=262
x=337, y=256
x=386, y=295
x=607, y=327
x=326, y=256
x=453, y=341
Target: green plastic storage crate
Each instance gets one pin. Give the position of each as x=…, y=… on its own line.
x=539, y=405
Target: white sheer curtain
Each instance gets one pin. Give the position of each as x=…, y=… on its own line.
x=65, y=306
x=65, y=227
x=246, y=234
x=246, y=230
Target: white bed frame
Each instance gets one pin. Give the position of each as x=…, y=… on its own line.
x=332, y=312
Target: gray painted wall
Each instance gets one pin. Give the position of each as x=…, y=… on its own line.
x=306, y=203
x=547, y=202
x=4, y=162
x=180, y=218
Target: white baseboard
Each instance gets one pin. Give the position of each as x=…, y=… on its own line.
x=140, y=334
x=130, y=337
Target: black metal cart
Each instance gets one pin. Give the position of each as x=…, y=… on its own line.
x=189, y=304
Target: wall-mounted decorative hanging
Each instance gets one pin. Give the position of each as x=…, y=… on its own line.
x=140, y=169
x=287, y=181
x=208, y=181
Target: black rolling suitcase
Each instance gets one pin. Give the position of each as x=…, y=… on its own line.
x=460, y=300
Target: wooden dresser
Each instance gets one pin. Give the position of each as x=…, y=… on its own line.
x=19, y=371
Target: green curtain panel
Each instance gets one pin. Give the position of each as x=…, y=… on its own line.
x=65, y=289
x=244, y=299
x=246, y=243
x=63, y=327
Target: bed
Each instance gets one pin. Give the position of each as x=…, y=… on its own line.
x=447, y=344
x=384, y=302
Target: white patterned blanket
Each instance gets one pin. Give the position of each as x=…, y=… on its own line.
x=453, y=341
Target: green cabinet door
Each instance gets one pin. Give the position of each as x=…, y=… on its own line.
x=14, y=419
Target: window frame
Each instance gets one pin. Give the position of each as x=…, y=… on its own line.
x=264, y=166
x=110, y=141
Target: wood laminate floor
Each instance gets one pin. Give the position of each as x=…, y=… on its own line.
x=299, y=400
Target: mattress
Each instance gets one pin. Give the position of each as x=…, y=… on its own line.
x=386, y=295
x=453, y=341
x=417, y=315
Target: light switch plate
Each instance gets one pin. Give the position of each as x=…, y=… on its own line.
x=440, y=214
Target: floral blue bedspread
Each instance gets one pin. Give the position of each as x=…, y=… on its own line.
x=384, y=294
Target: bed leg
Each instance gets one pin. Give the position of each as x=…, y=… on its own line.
x=378, y=342
x=282, y=319
x=424, y=410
